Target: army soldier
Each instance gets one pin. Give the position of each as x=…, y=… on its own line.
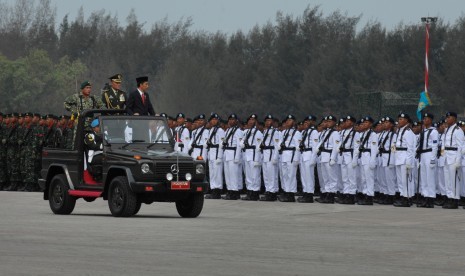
x=28, y=155
x=269, y=148
x=453, y=142
x=289, y=159
x=427, y=151
x=327, y=150
x=198, y=146
x=215, y=140
x=112, y=95
x=183, y=135
x=252, y=158
x=232, y=157
x=368, y=152
x=50, y=131
x=76, y=103
x=13, y=162
x=405, y=155
x=441, y=194
x=308, y=149
x=348, y=154
x=387, y=143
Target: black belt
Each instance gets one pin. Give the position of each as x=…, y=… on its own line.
x=197, y=146
x=451, y=148
x=401, y=149
x=230, y=148
x=382, y=151
x=213, y=146
x=249, y=147
x=287, y=148
x=346, y=150
x=365, y=150
x=326, y=150
x=424, y=150
x=267, y=147
x=307, y=149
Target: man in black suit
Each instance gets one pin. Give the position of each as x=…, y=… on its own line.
x=138, y=102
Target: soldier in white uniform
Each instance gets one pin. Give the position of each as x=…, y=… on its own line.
x=416, y=128
x=461, y=124
x=427, y=150
x=405, y=155
x=252, y=155
x=308, y=148
x=269, y=149
x=327, y=150
x=214, y=143
x=452, y=146
x=388, y=161
x=380, y=183
x=198, y=146
x=368, y=152
x=233, y=158
x=290, y=156
x=348, y=155
x=182, y=133
x=441, y=194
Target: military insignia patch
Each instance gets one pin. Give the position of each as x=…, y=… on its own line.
x=337, y=142
x=258, y=139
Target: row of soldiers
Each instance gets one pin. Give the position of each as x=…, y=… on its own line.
x=22, y=138
x=390, y=161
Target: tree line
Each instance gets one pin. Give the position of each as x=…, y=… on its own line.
x=302, y=64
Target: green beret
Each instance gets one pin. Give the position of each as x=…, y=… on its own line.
x=84, y=84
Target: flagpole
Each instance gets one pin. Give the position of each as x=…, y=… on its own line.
x=427, y=21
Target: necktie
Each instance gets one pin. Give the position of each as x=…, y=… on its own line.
x=143, y=98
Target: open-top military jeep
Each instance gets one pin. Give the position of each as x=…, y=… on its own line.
x=139, y=166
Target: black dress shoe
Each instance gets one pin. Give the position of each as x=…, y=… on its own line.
x=231, y=195
x=403, y=202
x=322, y=197
x=329, y=199
x=306, y=198
x=215, y=194
x=248, y=195
x=348, y=199
x=269, y=197
x=451, y=204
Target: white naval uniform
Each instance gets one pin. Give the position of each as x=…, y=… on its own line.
x=252, y=158
x=321, y=135
x=232, y=157
x=270, y=160
x=348, y=154
x=184, y=137
x=328, y=156
x=380, y=180
x=215, y=157
x=428, y=162
x=405, y=155
x=199, y=143
x=308, y=159
x=368, y=160
x=290, y=156
x=441, y=185
x=453, y=142
x=339, y=185
x=389, y=162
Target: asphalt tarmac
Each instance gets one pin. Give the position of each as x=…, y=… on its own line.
x=229, y=238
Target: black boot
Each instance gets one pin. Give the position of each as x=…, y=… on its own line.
x=462, y=201
x=269, y=197
x=403, y=202
x=361, y=199
x=377, y=197
x=368, y=200
x=388, y=200
x=340, y=198
x=248, y=196
x=322, y=197
x=231, y=195
x=329, y=199
x=286, y=197
x=306, y=198
x=349, y=199
x=215, y=194
x=451, y=203
x=254, y=195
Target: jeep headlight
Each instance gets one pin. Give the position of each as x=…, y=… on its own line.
x=188, y=176
x=169, y=176
x=145, y=168
x=199, y=169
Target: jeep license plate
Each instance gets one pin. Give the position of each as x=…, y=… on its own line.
x=180, y=185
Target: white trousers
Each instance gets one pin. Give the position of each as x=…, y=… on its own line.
x=349, y=179
x=270, y=177
x=320, y=178
x=216, y=174
x=451, y=180
x=329, y=175
x=253, y=179
x=390, y=178
x=368, y=180
x=404, y=181
x=441, y=185
x=307, y=176
x=231, y=175
x=427, y=180
x=289, y=184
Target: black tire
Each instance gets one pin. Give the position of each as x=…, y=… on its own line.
x=190, y=207
x=121, y=199
x=138, y=205
x=60, y=201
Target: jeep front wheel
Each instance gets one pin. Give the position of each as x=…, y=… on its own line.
x=121, y=199
x=190, y=207
x=59, y=199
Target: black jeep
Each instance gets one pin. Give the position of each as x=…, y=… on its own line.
x=139, y=165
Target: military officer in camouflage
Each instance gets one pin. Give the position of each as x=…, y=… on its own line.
x=12, y=154
x=112, y=95
x=84, y=100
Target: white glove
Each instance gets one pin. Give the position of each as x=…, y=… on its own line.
x=274, y=162
x=257, y=164
x=332, y=162
x=432, y=164
x=408, y=166
x=218, y=161
x=312, y=163
x=458, y=165
x=354, y=163
x=372, y=166
x=242, y=145
x=101, y=146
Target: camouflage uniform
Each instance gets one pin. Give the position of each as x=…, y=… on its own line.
x=13, y=162
x=68, y=136
x=77, y=103
x=28, y=157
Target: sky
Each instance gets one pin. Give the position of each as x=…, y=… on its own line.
x=228, y=16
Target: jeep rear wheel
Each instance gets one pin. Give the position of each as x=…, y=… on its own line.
x=59, y=199
x=121, y=199
x=190, y=207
